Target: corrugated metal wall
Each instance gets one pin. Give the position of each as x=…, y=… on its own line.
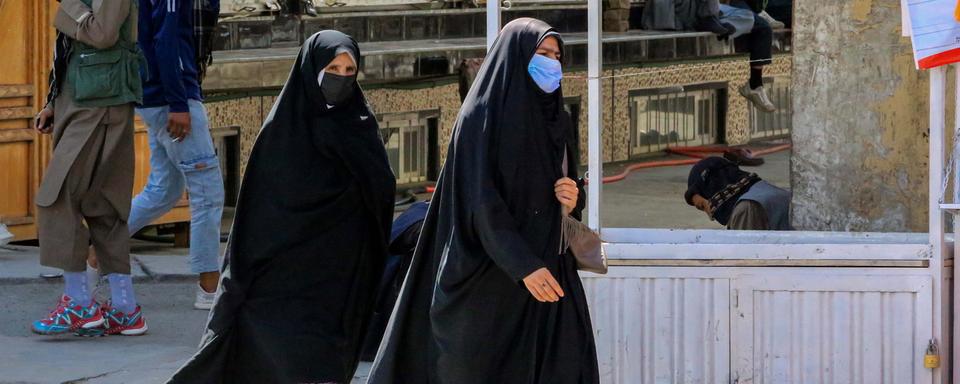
x=760, y=326
x=661, y=330
x=833, y=337
x=831, y=329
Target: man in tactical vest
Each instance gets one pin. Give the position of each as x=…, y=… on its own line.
x=85, y=194
x=735, y=198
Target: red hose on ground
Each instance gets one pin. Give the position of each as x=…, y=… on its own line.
x=695, y=152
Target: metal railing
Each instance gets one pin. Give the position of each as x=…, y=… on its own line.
x=407, y=142
x=777, y=123
x=661, y=118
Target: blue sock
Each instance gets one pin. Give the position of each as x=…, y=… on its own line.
x=76, y=287
x=121, y=292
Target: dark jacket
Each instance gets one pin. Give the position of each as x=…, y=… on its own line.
x=166, y=38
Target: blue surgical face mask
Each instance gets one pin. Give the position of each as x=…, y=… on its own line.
x=546, y=72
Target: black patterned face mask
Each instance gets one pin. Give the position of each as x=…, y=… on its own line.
x=728, y=193
x=337, y=89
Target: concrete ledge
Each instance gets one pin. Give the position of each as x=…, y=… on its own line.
x=414, y=60
x=423, y=46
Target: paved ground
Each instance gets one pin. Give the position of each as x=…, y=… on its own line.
x=653, y=198
x=650, y=198
x=165, y=289
x=175, y=329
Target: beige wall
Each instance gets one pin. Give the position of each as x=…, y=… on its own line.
x=860, y=140
x=248, y=112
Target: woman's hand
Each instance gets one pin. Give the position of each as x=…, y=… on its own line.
x=567, y=194
x=543, y=286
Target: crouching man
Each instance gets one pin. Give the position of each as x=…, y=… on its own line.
x=737, y=199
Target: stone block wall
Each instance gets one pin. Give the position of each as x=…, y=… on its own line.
x=248, y=112
x=860, y=126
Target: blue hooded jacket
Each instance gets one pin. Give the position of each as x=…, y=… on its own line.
x=166, y=38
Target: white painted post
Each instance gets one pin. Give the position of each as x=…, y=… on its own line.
x=950, y=345
x=594, y=118
x=493, y=21
x=938, y=81
x=951, y=327
x=955, y=150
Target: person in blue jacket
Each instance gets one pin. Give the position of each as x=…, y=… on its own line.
x=181, y=149
x=403, y=240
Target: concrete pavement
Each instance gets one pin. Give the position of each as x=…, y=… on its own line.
x=653, y=198
x=165, y=289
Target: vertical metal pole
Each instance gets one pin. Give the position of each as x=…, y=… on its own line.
x=951, y=327
x=952, y=139
x=938, y=81
x=493, y=21
x=950, y=320
x=594, y=100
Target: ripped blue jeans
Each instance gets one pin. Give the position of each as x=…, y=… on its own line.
x=191, y=163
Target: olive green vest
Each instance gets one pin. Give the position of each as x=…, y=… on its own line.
x=107, y=77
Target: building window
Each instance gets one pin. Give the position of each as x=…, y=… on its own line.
x=675, y=117
x=778, y=123
x=407, y=137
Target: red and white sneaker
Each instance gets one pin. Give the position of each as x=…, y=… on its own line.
x=119, y=323
x=69, y=316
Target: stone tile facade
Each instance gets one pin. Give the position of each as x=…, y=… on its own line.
x=248, y=112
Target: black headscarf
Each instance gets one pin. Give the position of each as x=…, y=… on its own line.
x=463, y=316
x=293, y=161
x=713, y=175
x=309, y=239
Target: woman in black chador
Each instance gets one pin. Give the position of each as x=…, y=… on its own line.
x=491, y=296
x=310, y=235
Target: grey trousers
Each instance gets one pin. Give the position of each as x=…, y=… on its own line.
x=748, y=215
x=85, y=195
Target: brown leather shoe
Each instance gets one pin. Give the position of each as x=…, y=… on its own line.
x=742, y=157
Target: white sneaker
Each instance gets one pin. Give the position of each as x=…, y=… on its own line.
x=5, y=235
x=204, y=299
x=774, y=23
x=758, y=97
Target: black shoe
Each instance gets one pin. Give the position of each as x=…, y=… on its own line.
x=730, y=31
x=742, y=157
x=711, y=24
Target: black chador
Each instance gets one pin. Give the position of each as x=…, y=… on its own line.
x=309, y=239
x=464, y=316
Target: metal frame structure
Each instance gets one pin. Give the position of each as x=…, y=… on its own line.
x=948, y=309
x=758, y=263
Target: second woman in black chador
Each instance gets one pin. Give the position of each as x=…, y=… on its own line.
x=491, y=296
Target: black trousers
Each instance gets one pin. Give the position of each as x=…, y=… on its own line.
x=781, y=10
x=759, y=42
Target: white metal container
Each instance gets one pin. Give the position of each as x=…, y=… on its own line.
x=763, y=307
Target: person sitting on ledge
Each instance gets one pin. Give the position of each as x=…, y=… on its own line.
x=745, y=18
